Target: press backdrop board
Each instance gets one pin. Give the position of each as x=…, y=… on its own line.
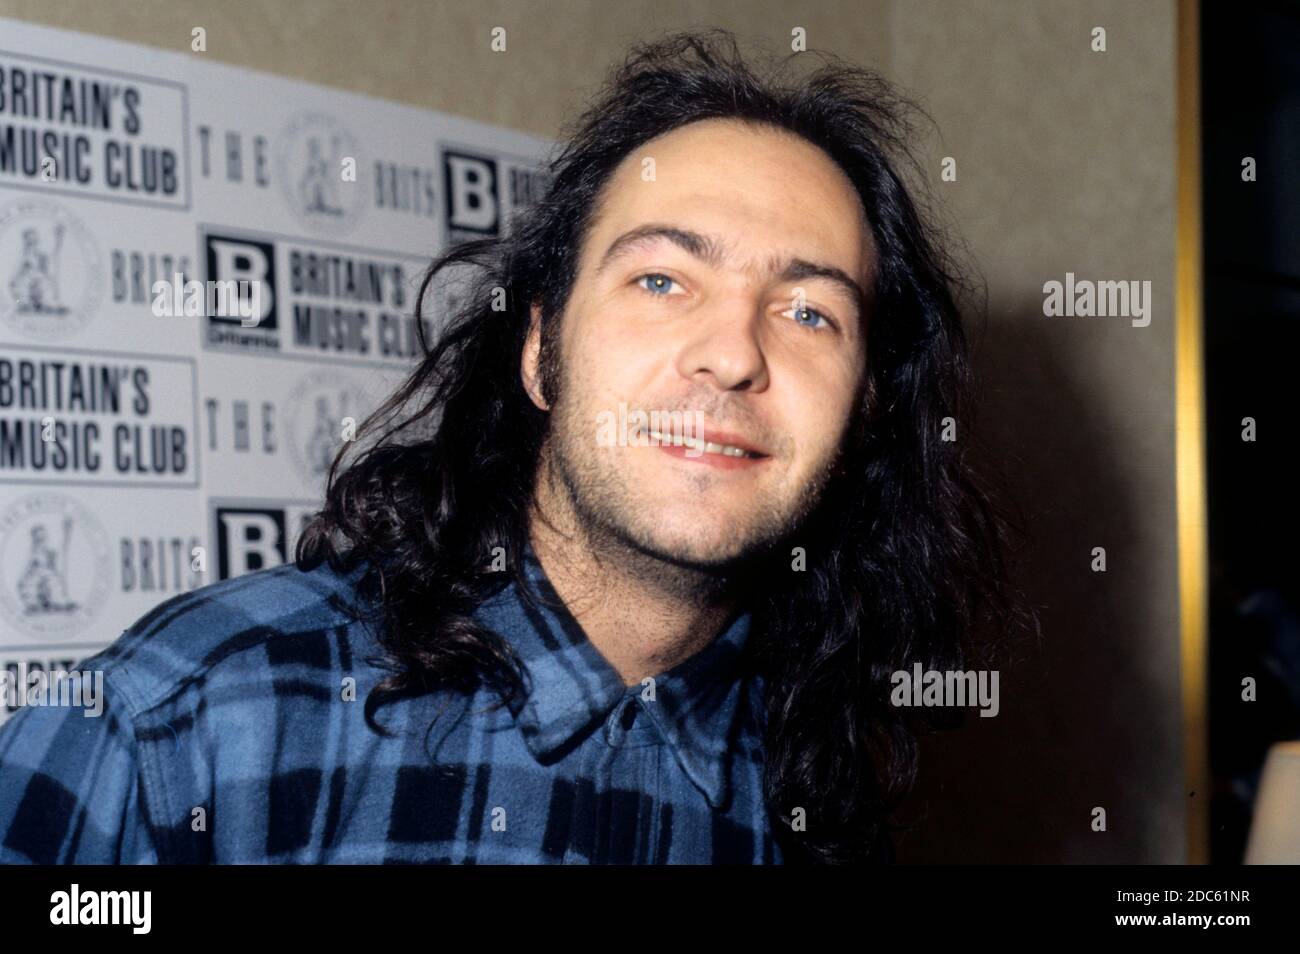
x=127, y=438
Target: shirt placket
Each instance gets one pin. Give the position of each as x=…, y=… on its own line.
x=625, y=778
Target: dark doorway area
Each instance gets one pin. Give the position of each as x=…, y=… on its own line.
x=1250, y=55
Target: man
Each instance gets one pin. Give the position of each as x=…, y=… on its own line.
x=516, y=634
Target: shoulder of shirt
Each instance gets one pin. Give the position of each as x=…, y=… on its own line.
x=228, y=626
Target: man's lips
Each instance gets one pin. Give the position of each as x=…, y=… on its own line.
x=711, y=446
x=711, y=459
x=730, y=439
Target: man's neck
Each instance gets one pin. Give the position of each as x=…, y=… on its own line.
x=643, y=614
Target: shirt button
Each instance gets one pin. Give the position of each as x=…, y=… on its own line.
x=629, y=715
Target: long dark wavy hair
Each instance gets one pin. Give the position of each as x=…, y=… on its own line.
x=906, y=556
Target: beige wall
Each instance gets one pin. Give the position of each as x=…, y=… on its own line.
x=1065, y=162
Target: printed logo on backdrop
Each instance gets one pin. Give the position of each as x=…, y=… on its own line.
x=318, y=407
x=54, y=565
x=93, y=133
x=237, y=258
x=18, y=666
x=314, y=156
x=81, y=417
x=319, y=300
x=482, y=192
x=256, y=535
x=51, y=271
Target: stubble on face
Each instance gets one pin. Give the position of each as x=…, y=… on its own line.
x=589, y=500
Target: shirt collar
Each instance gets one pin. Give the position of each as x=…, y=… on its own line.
x=572, y=688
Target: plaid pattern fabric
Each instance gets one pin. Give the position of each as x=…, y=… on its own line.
x=233, y=731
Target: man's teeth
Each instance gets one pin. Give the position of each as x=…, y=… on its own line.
x=709, y=447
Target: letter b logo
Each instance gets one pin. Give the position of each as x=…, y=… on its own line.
x=233, y=259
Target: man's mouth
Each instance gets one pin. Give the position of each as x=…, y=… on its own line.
x=707, y=447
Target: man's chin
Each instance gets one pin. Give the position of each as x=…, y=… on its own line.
x=701, y=548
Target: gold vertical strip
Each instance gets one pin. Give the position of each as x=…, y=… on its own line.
x=1189, y=388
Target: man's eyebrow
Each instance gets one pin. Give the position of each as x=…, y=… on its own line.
x=704, y=247
x=709, y=250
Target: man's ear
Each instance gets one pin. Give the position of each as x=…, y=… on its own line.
x=531, y=359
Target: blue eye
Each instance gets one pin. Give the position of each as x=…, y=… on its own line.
x=816, y=315
x=659, y=284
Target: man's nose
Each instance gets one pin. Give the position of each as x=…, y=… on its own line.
x=725, y=344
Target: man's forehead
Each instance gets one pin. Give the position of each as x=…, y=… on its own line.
x=722, y=192
x=712, y=155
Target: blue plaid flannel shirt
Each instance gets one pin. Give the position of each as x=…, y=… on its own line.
x=228, y=735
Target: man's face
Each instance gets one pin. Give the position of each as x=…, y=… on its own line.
x=770, y=356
